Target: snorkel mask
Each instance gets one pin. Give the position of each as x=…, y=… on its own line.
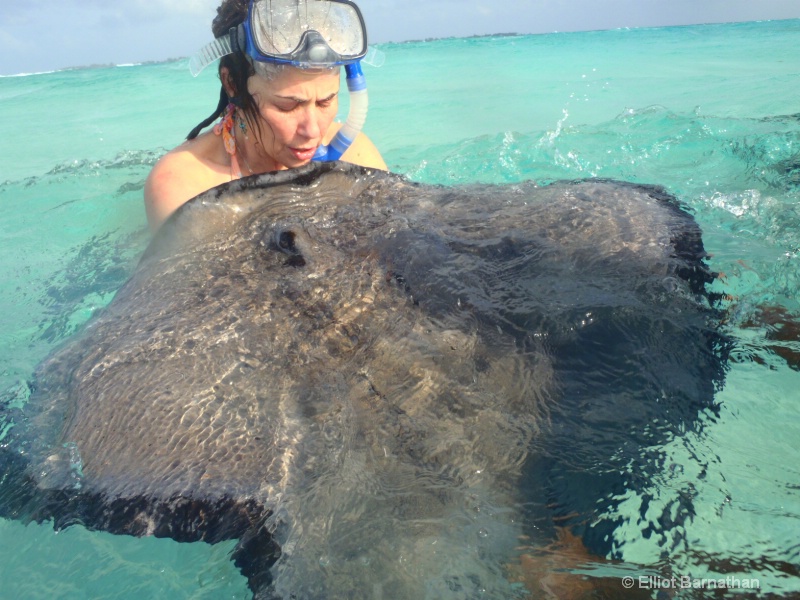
x=307, y=34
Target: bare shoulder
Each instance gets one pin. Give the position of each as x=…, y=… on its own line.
x=363, y=152
x=178, y=176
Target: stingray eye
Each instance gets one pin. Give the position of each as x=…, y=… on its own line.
x=286, y=242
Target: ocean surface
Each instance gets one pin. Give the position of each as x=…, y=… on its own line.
x=711, y=112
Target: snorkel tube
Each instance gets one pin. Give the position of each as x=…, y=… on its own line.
x=356, y=117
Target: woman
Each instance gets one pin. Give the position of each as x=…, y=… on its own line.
x=280, y=86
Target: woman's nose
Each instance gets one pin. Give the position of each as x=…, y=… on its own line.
x=309, y=125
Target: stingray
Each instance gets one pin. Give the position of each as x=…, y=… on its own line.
x=363, y=379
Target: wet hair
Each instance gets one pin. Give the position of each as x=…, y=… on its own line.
x=232, y=13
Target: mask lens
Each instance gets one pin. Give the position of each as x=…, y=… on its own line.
x=278, y=26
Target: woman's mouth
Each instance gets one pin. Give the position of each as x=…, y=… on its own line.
x=304, y=154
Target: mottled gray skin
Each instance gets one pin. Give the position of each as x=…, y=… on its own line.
x=348, y=372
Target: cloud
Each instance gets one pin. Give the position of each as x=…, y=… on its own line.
x=397, y=20
x=11, y=43
x=41, y=35
x=172, y=8
x=36, y=11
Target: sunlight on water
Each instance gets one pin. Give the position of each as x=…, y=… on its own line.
x=705, y=111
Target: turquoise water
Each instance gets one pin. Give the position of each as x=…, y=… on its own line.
x=710, y=112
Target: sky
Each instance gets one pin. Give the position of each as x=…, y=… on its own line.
x=45, y=35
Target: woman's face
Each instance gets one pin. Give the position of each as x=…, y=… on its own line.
x=298, y=107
